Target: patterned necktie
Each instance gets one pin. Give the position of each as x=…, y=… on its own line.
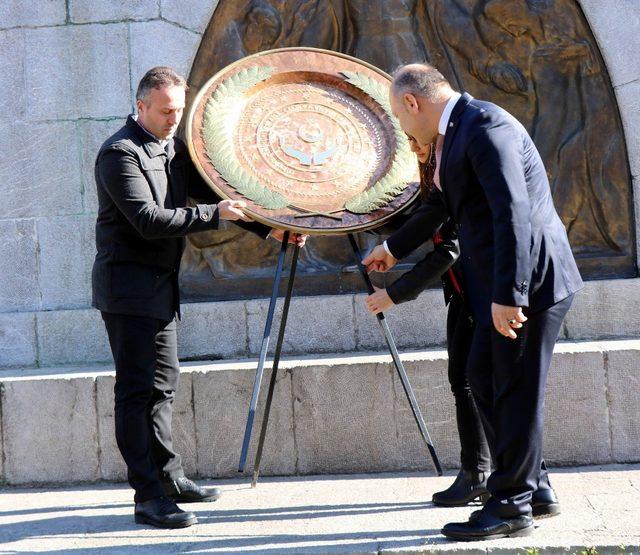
x=436, y=175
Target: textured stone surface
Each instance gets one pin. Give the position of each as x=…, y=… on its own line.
x=41, y=176
x=197, y=17
x=213, y=330
x=596, y=310
x=321, y=324
x=72, y=336
x=344, y=418
x=86, y=11
x=67, y=250
x=221, y=403
x=428, y=378
x=92, y=134
x=15, y=13
x=629, y=103
x=336, y=414
x=17, y=339
x=623, y=395
x=172, y=46
x=19, y=279
x=85, y=68
x=50, y=430
x=417, y=324
x=12, y=73
x=351, y=515
x=576, y=414
x=616, y=30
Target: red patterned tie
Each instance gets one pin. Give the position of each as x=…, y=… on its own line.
x=436, y=175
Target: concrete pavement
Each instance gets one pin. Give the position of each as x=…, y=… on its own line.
x=370, y=513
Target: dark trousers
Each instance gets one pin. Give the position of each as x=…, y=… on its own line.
x=147, y=371
x=474, y=449
x=509, y=393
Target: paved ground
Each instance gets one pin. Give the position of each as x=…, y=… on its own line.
x=329, y=514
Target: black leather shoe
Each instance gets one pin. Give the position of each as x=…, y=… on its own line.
x=184, y=490
x=467, y=487
x=544, y=503
x=162, y=512
x=484, y=526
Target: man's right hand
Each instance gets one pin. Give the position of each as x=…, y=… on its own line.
x=232, y=210
x=379, y=260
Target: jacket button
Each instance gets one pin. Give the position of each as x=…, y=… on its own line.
x=204, y=216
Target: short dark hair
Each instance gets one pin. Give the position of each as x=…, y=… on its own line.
x=420, y=80
x=157, y=78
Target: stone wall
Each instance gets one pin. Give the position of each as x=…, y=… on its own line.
x=330, y=415
x=68, y=71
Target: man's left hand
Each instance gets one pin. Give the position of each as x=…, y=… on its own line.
x=294, y=238
x=379, y=301
x=507, y=319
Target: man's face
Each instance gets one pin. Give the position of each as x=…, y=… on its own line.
x=161, y=111
x=415, y=117
x=423, y=153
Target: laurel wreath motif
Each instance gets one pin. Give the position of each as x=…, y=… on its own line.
x=219, y=117
x=224, y=107
x=402, y=168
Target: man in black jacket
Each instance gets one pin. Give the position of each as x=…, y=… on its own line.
x=143, y=176
x=519, y=272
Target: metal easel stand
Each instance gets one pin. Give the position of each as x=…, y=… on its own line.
x=276, y=361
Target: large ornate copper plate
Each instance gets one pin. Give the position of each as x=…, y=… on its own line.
x=306, y=137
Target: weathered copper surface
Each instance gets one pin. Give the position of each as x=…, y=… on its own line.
x=306, y=137
x=536, y=58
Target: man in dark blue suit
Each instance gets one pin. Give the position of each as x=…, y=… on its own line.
x=520, y=274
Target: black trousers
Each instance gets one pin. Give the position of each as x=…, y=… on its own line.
x=147, y=372
x=509, y=393
x=474, y=449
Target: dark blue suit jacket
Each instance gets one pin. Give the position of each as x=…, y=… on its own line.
x=514, y=247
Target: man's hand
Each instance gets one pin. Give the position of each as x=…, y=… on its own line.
x=232, y=210
x=378, y=301
x=379, y=260
x=294, y=238
x=506, y=319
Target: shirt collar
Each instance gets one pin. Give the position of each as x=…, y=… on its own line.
x=446, y=113
x=162, y=143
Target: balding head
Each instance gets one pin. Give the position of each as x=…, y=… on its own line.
x=421, y=80
x=418, y=95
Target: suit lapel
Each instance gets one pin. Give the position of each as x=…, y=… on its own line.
x=452, y=129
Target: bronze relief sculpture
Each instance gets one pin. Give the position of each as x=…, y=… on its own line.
x=537, y=58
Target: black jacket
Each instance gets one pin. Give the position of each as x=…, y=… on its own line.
x=142, y=220
x=515, y=250
x=433, y=266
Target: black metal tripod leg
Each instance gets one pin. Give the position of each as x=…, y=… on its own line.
x=263, y=352
x=276, y=362
x=406, y=384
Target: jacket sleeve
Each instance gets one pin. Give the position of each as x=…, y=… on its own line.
x=119, y=172
x=420, y=226
x=426, y=272
x=496, y=154
x=200, y=191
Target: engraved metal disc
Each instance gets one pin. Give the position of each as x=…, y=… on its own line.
x=306, y=137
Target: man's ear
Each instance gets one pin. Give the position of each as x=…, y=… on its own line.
x=139, y=105
x=410, y=103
